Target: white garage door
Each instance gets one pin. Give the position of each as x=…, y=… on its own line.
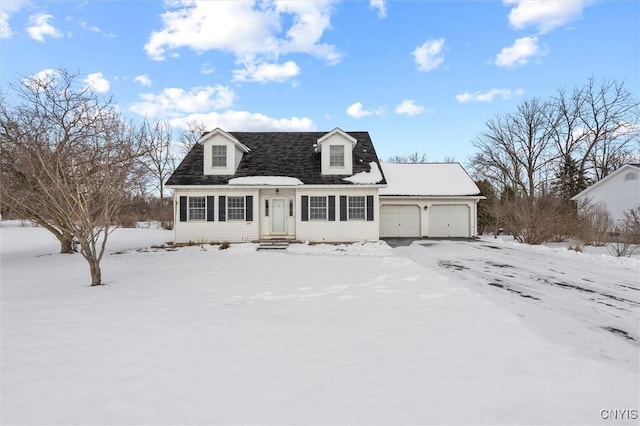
x=399, y=221
x=449, y=221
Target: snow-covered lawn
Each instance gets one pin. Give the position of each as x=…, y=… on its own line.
x=438, y=332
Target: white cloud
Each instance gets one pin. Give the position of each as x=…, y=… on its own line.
x=381, y=6
x=206, y=68
x=39, y=27
x=255, y=33
x=97, y=82
x=356, y=111
x=519, y=54
x=488, y=96
x=232, y=120
x=428, y=55
x=44, y=77
x=5, y=29
x=546, y=15
x=143, y=79
x=8, y=8
x=176, y=102
x=93, y=28
x=409, y=107
x=267, y=72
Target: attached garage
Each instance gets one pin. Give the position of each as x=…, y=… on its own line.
x=437, y=200
x=400, y=221
x=449, y=220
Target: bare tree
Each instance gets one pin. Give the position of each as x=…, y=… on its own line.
x=515, y=148
x=414, y=157
x=72, y=155
x=158, y=160
x=597, y=127
x=190, y=136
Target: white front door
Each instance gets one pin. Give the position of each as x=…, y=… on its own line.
x=278, y=217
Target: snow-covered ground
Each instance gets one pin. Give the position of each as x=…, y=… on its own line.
x=437, y=332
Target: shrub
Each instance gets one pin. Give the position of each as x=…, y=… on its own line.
x=224, y=245
x=594, y=224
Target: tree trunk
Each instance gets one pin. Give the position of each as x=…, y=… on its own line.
x=96, y=273
x=65, y=242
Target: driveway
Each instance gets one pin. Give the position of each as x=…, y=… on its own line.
x=556, y=291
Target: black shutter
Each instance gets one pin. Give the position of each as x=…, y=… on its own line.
x=369, y=207
x=222, y=208
x=210, y=207
x=304, y=206
x=343, y=208
x=332, y=208
x=183, y=209
x=248, y=208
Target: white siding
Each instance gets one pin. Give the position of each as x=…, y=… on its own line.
x=337, y=140
x=338, y=231
x=616, y=193
x=234, y=155
x=216, y=231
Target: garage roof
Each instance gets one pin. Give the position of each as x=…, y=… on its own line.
x=424, y=179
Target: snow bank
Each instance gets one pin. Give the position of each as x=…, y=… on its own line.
x=371, y=177
x=266, y=180
x=378, y=248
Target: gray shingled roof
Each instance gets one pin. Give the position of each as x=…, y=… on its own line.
x=289, y=154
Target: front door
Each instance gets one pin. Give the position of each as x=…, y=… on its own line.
x=278, y=217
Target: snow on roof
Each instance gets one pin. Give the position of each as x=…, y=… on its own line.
x=266, y=180
x=371, y=177
x=443, y=179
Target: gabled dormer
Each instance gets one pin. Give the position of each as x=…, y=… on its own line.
x=222, y=152
x=336, y=152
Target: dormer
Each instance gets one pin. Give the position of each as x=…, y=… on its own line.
x=222, y=152
x=336, y=152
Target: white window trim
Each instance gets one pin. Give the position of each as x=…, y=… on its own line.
x=203, y=208
x=213, y=157
x=229, y=209
x=326, y=208
x=336, y=166
x=364, y=207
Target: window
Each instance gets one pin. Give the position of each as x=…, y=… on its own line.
x=336, y=156
x=318, y=208
x=235, y=208
x=357, y=208
x=266, y=207
x=196, y=208
x=219, y=156
x=631, y=176
x=291, y=207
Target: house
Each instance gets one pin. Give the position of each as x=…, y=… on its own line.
x=618, y=192
x=313, y=186
x=428, y=200
x=307, y=186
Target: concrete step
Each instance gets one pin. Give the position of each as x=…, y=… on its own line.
x=273, y=245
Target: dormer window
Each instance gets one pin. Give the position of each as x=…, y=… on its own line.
x=336, y=156
x=219, y=156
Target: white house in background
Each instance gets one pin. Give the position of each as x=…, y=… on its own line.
x=618, y=192
x=428, y=200
x=313, y=186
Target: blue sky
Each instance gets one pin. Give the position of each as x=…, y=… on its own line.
x=418, y=75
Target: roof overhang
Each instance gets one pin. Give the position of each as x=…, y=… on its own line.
x=219, y=132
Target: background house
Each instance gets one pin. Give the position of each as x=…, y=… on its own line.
x=618, y=192
x=428, y=200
